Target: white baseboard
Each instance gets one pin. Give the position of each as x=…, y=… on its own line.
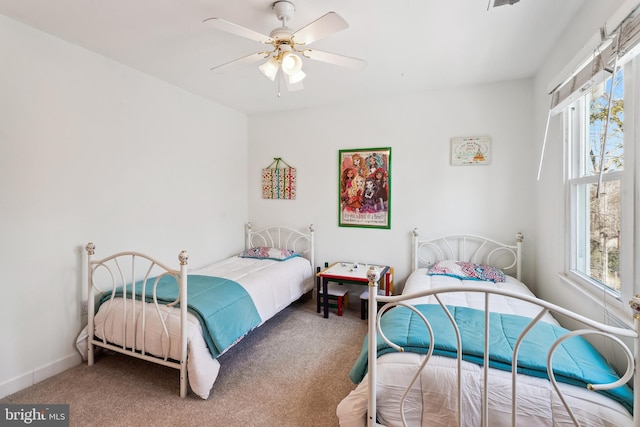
x=42, y=373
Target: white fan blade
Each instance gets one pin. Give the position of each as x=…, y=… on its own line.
x=249, y=59
x=332, y=58
x=320, y=28
x=238, y=30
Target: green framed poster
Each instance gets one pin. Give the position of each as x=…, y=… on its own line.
x=365, y=187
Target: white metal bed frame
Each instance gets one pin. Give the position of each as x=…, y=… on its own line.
x=485, y=251
x=126, y=268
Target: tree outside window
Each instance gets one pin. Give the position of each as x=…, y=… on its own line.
x=597, y=210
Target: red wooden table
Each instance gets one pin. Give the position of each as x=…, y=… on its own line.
x=347, y=272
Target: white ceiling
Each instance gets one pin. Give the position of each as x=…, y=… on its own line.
x=409, y=44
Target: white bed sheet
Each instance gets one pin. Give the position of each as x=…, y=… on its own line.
x=432, y=400
x=272, y=285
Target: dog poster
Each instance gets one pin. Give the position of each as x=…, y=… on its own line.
x=365, y=188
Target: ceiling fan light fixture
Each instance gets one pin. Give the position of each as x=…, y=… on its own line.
x=291, y=63
x=285, y=61
x=270, y=68
x=296, y=77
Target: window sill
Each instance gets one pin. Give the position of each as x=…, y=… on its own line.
x=611, y=309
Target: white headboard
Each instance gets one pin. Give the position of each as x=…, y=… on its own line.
x=469, y=248
x=284, y=238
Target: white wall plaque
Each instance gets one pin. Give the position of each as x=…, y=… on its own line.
x=470, y=150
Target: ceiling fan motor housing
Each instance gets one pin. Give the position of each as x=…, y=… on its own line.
x=284, y=10
x=281, y=33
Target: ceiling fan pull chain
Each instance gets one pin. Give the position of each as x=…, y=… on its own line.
x=279, y=80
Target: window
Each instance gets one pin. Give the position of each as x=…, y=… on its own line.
x=600, y=104
x=596, y=162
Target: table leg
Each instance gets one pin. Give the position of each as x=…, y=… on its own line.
x=318, y=292
x=386, y=283
x=325, y=297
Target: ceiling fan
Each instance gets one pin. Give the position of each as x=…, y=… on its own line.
x=497, y=3
x=286, y=47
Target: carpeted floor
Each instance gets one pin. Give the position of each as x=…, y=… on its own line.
x=292, y=371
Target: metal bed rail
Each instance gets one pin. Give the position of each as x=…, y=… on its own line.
x=590, y=327
x=120, y=272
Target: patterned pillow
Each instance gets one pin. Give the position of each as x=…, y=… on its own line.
x=265, y=252
x=466, y=270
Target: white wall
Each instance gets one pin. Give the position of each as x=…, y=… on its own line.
x=426, y=191
x=549, y=191
x=93, y=151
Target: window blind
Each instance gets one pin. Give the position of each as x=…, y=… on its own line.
x=600, y=65
x=613, y=51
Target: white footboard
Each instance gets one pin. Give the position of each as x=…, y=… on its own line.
x=589, y=327
x=119, y=272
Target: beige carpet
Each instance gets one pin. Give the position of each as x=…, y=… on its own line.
x=292, y=371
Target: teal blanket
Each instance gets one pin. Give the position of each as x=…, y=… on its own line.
x=575, y=361
x=223, y=307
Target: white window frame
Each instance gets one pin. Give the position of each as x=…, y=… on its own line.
x=574, y=129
